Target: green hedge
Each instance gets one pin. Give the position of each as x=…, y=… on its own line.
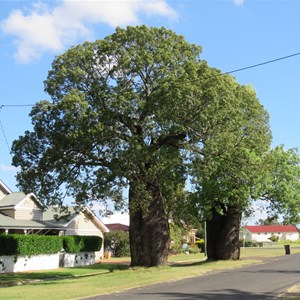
x=29, y=244
x=78, y=243
x=14, y=244
x=8, y=245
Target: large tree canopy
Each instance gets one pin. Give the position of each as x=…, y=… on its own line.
x=139, y=109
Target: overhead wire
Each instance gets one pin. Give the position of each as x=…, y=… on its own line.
x=15, y=105
x=4, y=135
x=261, y=64
x=223, y=73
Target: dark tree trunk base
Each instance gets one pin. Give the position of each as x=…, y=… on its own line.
x=223, y=235
x=149, y=230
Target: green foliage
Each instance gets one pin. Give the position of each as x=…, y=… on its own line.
x=8, y=245
x=118, y=243
x=274, y=238
x=140, y=108
x=117, y=111
x=201, y=245
x=178, y=236
x=282, y=184
x=193, y=249
x=78, y=243
x=229, y=169
x=123, y=111
x=271, y=220
x=40, y=244
x=250, y=243
x=29, y=244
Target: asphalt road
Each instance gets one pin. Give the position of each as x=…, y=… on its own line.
x=261, y=281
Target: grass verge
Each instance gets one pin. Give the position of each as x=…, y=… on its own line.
x=76, y=283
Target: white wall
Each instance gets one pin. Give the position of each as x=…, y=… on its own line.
x=69, y=260
x=9, y=264
x=264, y=236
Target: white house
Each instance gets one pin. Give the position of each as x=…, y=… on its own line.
x=24, y=214
x=262, y=233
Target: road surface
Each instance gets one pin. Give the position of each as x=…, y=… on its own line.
x=261, y=281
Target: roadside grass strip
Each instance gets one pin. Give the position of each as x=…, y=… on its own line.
x=116, y=275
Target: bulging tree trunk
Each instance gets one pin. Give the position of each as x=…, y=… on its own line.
x=223, y=235
x=149, y=231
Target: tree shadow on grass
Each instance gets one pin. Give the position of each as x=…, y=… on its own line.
x=189, y=264
x=12, y=279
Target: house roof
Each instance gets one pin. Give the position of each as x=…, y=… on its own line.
x=8, y=222
x=16, y=198
x=117, y=226
x=272, y=228
x=53, y=218
x=63, y=217
x=5, y=188
x=12, y=199
x=57, y=215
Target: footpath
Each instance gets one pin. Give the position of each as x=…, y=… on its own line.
x=293, y=293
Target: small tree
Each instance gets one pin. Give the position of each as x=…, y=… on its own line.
x=274, y=238
x=178, y=236
x=118, y=243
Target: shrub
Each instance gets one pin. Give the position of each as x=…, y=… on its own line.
x=193, y=249
x=80, y=243
x=201, y=245
x=177, y=234
x=14, y=244
x=29, y=244
x=118, y=243
x=274, y=238
x=8, y=245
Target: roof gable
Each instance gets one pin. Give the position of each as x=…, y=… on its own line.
x=272, y=228
x=16, y=199
x=65, y=216
x=10, y=223
x=4, y=188
x=59, y=215
x=12, y=199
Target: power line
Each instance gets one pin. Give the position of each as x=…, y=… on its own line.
x=6, y=141
x=224, y=73
x=15, y=105
x=263, y=63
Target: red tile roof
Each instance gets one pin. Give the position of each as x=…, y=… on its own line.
x=117, y=226
x=272, y=228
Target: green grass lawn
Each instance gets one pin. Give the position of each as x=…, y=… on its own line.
x=115, y=275
x=272, y=251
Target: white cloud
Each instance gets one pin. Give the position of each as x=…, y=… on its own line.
x=46, y=28
x=117, y=218
x=5, y=168
x=238, y=2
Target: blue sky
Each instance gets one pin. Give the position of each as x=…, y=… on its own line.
x=233, y=34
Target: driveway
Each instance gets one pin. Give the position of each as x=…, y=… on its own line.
x=261, y=281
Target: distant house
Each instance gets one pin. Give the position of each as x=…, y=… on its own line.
x=117, y=227
x=262, y=233
x=25, y=214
